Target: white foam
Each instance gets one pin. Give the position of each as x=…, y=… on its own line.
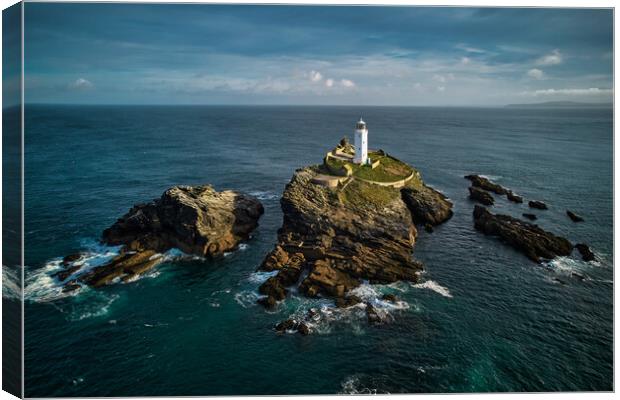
x=435, y=287
x=352, y=385
x=264, y=195
x=246, y=298
x=259, y=277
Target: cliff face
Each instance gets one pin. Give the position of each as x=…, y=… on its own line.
x=333, y=239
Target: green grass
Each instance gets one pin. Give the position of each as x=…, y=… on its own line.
x=366, y=195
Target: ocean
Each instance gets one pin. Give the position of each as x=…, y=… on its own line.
x=484, y=318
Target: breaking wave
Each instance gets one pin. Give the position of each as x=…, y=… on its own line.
x=435, y=287
x=264, y=195
x=352, y=385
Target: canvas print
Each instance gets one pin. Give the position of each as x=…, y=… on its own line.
x=285, y=200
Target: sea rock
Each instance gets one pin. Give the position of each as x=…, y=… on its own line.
x=513, y=197
x=197, y=220
x=427, y=205
x=486, y=184
x=586, y=253
x=331, y=240
x=126, y=266
x=372, y=314
x=349, y=301
x=481, y=196
x=71, y=258
x=390, y=297
x=293, y=325
x=534, y=242
x=573, y=216
x=429, y=228
x=537, y=204
x=531, y=217
x=269, y=302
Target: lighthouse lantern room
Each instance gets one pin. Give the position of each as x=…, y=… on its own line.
x=361, y=142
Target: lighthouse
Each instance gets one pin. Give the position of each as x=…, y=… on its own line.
x=361, y=142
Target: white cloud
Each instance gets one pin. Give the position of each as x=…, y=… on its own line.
x=535, y=73
x=469, y=49
x=443, y=78
x=329, y=82
x=570, y=92
x=553, y=58
x=347, y=83
x=315, y=76
x=81, y=83
x=441, y=88
x=465, y=60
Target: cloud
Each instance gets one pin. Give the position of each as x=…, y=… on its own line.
x=441, y=88
x=315, y=76
x=329, y=82
x=469, y=49
x=465, y=60
x=81, y=84
x=553, y=58
x=570, y=92
x=535, y=73
x=347, y=83
x=443, y=78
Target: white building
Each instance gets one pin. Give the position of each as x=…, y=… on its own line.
x=361, y=142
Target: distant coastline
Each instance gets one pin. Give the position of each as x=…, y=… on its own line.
x=561, y=104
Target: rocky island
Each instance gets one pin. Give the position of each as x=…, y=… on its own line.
x=345, y=223
x=197, y=220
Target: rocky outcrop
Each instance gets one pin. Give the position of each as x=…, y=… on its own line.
x=537, y=204
x=427, y=205
x=574, y=217
x=333, y=239
x=514, y=197
x=586, y=253
x=197, y=220
x=531, y=217
x=536, y=243
x=481, y=196
x=486, y=184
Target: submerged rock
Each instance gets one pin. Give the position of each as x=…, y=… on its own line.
x=534, y=242
x=481, y=196
x=586, y=253
x=573, y=216
x=537, y=204
x=486, y=184
x=531, y=217
x=348, y=301
x=331, y=240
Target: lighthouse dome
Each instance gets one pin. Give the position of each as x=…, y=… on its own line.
x=360, y=124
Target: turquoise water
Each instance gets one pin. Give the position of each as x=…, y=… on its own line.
x=485, y=319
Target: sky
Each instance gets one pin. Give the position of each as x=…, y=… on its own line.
x=315, y=55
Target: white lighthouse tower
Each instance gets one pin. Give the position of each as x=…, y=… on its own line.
x=361, y=142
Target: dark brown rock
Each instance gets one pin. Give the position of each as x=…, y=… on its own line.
x=427, y=206
x=513, y=197
x=537, y=204
x=71, y=258
x=65, y=273
x=586, y=253
x=529, y=216
x=428, y=228
x=273, y=287
x=390, y=297
x=481, y=196
x=348, y=301
x=303, y=328
x=125, y=266
x=573, y=216
x=486, y=184
x=287, y=325
x=268, y=302
x=534, y=242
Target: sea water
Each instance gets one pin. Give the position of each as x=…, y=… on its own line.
x=484, y=318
